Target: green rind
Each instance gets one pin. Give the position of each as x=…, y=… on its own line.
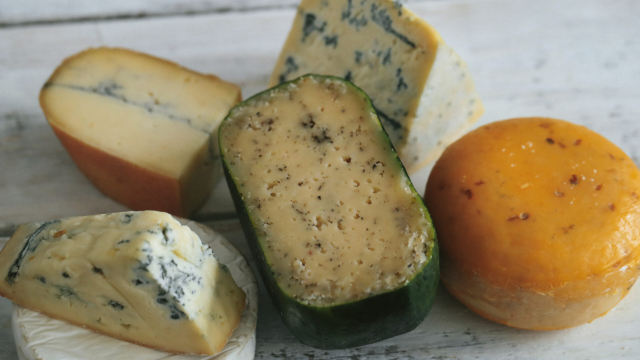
x=352, y=324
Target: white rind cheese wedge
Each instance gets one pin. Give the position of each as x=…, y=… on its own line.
x=140, y=277
x=39, y=337
x=139, y=127
x=422, y=90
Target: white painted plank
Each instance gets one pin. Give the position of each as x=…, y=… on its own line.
x=19, y=12
x=32, y=11
x=451, y=331
x=7, y=348
x=239, y=47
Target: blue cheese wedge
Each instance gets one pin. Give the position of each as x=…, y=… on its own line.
x=39, y=337
x=139, y=277
x=139, y=127
x=421, y=89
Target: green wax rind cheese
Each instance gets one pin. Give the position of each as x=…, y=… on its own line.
x=342, y=240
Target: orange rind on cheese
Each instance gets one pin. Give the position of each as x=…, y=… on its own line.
x=538, y=221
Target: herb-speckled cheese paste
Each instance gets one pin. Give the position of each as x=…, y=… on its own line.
x=422, y=90
x=334, y=210
x=140, y=277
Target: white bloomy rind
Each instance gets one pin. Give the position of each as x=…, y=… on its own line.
x=39, y=337
x=448, y=107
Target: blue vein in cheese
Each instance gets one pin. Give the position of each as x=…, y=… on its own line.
x=142, y=111
x=115, y=91
x=421, y=89
x=30, y=246
x=141, y=277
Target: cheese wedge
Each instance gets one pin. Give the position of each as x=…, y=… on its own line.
x=139, y=127
x=421, y=89
x=40, y=337
x=139, y=277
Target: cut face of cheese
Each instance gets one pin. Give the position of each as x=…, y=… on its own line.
x=40, y=337
x=140, y=277
x=139, y=127
x=421, y=89
x=336, y=215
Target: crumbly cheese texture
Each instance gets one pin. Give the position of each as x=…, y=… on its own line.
x=422, y=90
x=144, y=111
x=140, y=277
x=336, y=215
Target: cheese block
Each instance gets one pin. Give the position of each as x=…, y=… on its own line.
x=140, y=277
x=139, y=127
x=342, y=239
x=539, y=222
x=421, y=89
x=39, y=337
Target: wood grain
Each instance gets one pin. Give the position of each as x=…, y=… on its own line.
x=570, y=59
x=36, y=11
x=31, y=12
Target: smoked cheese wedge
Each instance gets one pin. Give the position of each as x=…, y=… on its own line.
x=139, y=127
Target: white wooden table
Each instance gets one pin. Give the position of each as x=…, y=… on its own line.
x=571, y=59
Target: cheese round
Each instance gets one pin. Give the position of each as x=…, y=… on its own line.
x=39, y=337
x=538, y=222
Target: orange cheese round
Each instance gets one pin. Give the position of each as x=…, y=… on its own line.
x=538, y=221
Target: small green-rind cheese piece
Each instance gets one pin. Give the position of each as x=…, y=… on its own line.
x=343, y=242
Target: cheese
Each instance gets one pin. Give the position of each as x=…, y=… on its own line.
x=538, y=220
x=140, y=277
x=337, y=216
x=39, y=337
x=421, y=88
x=139, y=127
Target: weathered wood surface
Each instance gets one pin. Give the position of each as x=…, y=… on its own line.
x=37, y=11
x=571, y=59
